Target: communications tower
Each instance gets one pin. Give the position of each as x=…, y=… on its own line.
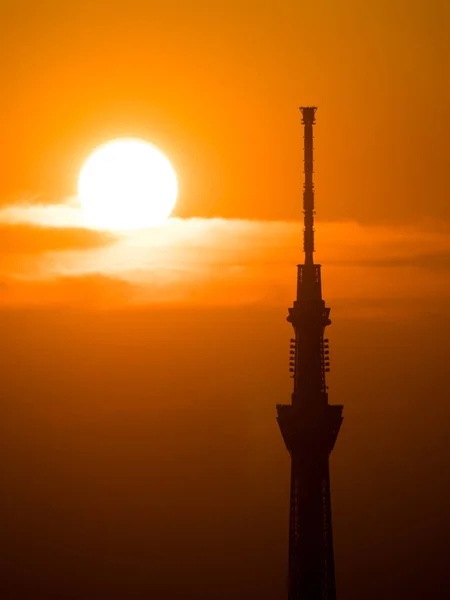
x=310, y=425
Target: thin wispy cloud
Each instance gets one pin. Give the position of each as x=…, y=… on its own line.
x=229, y=261
x=66, y=214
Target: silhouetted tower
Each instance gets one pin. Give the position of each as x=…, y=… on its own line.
x=309, y=424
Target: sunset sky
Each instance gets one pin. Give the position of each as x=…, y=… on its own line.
x=141, y=370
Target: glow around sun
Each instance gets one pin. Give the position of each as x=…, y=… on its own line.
x=127, y=184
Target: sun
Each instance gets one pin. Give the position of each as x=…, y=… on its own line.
x=127, y=184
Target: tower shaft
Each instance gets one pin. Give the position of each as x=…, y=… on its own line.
x=310, y=425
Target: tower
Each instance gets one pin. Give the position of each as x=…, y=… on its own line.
x=310, y=425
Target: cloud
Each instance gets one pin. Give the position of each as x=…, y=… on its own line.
x=30, y=231
x=429, y=261
x=29, y=239
x=65, y=215
x=230, y=262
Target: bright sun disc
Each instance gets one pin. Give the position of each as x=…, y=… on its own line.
x=127, y=184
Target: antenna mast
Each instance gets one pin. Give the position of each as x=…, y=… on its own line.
x=308, y=120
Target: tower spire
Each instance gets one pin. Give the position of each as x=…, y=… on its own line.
x=308, y=120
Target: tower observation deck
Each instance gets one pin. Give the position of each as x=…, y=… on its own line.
x=310, y=425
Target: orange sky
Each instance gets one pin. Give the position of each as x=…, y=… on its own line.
x=139, y=373
x=216, y=85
